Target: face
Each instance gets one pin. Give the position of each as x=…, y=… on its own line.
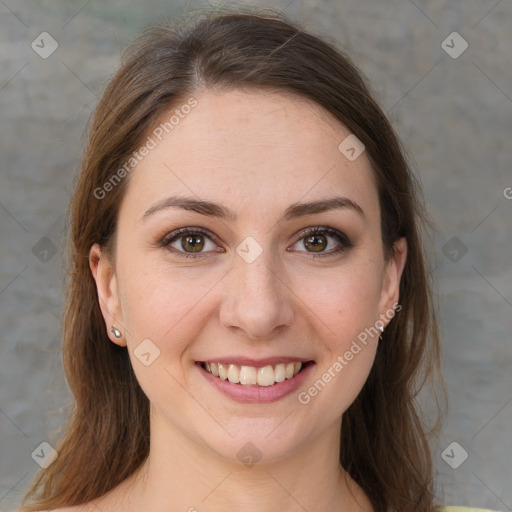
x=286, y=276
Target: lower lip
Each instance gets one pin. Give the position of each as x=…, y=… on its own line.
x=255, y=394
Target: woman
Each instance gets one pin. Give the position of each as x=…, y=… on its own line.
x=249, y=317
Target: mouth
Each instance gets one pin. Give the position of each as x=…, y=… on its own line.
x=254, y=376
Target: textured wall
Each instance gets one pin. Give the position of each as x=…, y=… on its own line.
x=453, y=110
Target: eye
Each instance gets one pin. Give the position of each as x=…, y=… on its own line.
x=316, y=241
x=188, y=242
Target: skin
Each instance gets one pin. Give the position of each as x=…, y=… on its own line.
x=256, y=153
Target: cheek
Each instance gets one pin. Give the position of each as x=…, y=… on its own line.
x=165, y=304
x=349, y=347
x=350, y=374
x=170, y=308
x=159, y=302
x=346, y=299
x=348, y=304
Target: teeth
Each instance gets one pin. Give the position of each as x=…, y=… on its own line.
x=266, y=376
x=280, y=372
x=214, y=369
x=233, y=374
x=247, y=375
x=250, y=375
x=223, y=370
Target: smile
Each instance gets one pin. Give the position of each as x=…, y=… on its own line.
x=269, y=380
x=251, y=375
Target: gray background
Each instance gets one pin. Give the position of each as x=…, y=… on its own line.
x=453, y=115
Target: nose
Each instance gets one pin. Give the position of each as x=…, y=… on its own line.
x=258, y=301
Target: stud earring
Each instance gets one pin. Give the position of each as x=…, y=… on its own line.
x=381, y=332
x=115, y=332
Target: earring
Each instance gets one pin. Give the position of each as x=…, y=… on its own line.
x=381, y=332
x=115, y=332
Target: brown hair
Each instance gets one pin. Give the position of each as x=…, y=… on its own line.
x=384, y=444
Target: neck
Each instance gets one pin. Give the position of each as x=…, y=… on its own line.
x=179, y=473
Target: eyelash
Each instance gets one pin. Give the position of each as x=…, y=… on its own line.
x=318, y=230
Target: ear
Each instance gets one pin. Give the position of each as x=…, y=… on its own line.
x=108, y=293
x=390, y=293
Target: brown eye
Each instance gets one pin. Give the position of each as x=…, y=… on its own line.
x=188, y=242
x=316, y=243
x=194, y=243
x=317, y=240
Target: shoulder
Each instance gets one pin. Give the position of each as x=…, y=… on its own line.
x=465, y=509
x=77, y=508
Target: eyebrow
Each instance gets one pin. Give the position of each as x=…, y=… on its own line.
x=212, y=209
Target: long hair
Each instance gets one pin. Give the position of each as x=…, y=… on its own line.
x=384, y=442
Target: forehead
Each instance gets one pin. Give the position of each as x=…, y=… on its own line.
x=251, y=150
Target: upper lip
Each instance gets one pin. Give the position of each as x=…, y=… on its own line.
x=246, y=361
